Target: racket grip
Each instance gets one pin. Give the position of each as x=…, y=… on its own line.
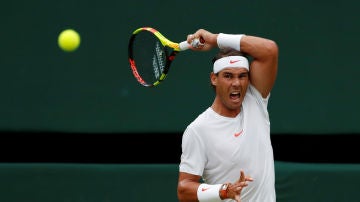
x=195, y=43
x=184, y=45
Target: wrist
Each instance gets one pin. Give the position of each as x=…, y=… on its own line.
x=209, y=193
x=223, y=192
x=229, y=41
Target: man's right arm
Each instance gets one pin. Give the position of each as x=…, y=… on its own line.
x=187, y=187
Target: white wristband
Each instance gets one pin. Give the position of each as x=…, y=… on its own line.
x=209, y=193
x=229, y=41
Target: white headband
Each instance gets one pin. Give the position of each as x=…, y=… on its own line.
x=231, y=61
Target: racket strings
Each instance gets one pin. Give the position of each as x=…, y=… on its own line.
x=150, y=56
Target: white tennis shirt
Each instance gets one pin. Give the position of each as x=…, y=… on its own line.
x=217, y=148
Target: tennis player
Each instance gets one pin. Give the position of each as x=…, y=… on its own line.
x=231, y=138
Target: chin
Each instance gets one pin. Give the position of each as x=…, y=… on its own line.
x=234, y=107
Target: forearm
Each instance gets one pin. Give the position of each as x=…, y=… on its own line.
x=187, y=191
x=259, y=48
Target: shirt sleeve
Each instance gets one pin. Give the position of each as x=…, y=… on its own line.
x=262, y=102
x=258, y=95
x=193, y=155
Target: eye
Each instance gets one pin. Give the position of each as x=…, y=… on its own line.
x=243, y=75
x=228, y=76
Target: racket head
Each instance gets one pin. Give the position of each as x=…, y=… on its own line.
x=150, y=55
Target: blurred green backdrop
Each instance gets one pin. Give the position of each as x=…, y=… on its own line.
x=92, y=90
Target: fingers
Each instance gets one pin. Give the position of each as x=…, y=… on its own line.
x=234, y=190
x=204, y=39
x=190, y=38
x=250, y=179
x=195, y=42
x=241, y=185
x=200, y=37
x=196, y=35
x=244, y=178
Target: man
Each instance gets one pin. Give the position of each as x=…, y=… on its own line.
x=232, y=137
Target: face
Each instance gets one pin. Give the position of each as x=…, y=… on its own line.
x=231, y=85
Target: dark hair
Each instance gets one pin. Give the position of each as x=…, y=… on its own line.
x=224, y=52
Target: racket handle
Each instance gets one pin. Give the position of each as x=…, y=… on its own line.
x=184, y=45
x=195, y=43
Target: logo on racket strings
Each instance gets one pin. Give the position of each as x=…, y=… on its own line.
x=158, y=62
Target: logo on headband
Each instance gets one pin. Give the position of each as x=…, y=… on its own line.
x=230, y=61
x=234, y=61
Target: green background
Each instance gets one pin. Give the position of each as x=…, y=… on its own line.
x=295, y=182
x=92, y=90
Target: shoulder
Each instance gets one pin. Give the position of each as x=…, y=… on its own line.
x=201, y=125
x=201, y=119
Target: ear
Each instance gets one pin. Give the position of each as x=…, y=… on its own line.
x=213, y=78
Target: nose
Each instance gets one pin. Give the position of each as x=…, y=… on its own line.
x=236, y=82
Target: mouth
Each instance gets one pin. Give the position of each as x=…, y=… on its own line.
x=235, y=95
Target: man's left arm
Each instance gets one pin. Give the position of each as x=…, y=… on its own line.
x=263, y=68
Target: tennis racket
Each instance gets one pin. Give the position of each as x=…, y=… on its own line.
x=151, y=54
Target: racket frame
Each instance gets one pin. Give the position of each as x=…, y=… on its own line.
x=175, y=47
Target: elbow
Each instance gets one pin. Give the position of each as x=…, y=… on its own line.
x=271, y=48
x=181, y=193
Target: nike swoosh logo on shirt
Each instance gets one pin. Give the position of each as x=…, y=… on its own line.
x=238, y=134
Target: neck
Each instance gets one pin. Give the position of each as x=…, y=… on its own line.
x=222, y=110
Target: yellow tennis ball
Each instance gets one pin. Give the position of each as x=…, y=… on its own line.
x=69, y=40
